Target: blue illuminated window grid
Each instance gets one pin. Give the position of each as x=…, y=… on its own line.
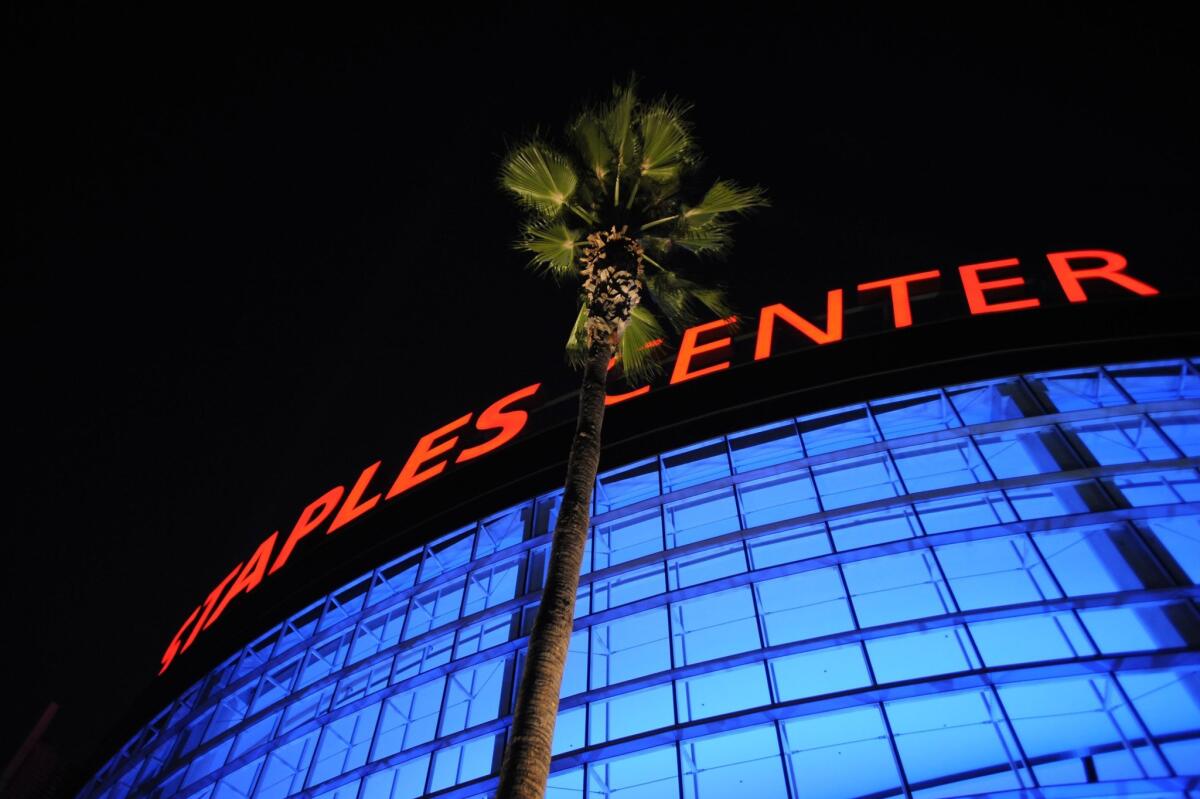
x=751, y=608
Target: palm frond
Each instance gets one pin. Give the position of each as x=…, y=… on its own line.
x=711, y=239
x=577, y=340
x=540, y=178
x=725, y=197
x=637, y=345
x=680, y=300
x=593, y=146
x=666, y=141
x=618, y=126
x=553, y=247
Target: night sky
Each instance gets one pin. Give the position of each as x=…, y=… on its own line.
x=255, y=252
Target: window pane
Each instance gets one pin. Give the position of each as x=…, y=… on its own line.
x=824, y=671
x=631, y=713
x=1076, y=390
x=701, y=517
x=1157, y=488
x=1142, y=627
x=778, y=497
x=627, y=485
x=964, y=512
x=695, y=464
x=841, y=754
x=565, y=785
x=652, y=774
x=405, y=781
x=477, y=694
x=409, y=718
x=503, y=530
x=993, y=401
x=713, y=626
x=1099, y=559
x=1125, y=439
x=1155, y=382
x=628, y=538
x=570, y=731
x=857, y=480
x=721, y=692
x=742, y=763
x=1035, y=450
x=1026, y=639
x=491, y=585
x=1177, y=540
x=448, y=552
x=955, y=745
x=868, y=529
x=804, y=605
x=466, y=761
x=628, y=587
x=837, y=429
x=708, y=564
x=1183, y=427
x=765, y=446
x=897, y=587
x=788, y=545
x=344, y=745
x=996, y=571
x=923, y=654
x=435, y=607
x=942, y=464
x=1058, y=499
x=630, y=647
x=916, y=413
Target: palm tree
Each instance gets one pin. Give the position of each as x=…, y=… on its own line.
x=609, y=216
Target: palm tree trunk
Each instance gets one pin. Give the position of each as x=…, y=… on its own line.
x=527, y=757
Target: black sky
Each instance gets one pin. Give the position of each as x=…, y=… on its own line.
x=252, y=252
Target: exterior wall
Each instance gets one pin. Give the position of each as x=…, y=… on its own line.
x=969, y=590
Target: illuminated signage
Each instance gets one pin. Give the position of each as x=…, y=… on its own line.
x=990, y=287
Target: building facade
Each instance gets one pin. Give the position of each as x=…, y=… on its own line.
x=975, y=587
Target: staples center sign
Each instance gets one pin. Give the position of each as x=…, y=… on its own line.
x=504, y=419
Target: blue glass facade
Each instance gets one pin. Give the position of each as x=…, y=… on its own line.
x=979, y=589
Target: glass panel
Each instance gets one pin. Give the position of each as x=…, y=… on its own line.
x=1058, y=499
x=964, y=512
x=1142, y=627
x=378, y=632
x=628, y=587
x=448, y=552
x=476, y=694
x=941, y=464
x=907, y=585
x=993, y=401
x=996, y=571
x=570, y=731
x=1157, y=488
x=631, y=713
x=1076, y=389
x=432, y=608
x=627, y=485
x=956, y=745
x=857, y=480
x=1099, y=559
x=1178, y=544
x=788, y=545
x=1026, y=639
x=485, y=634
x=503, y=530
x=824, y=671
x=395, y=577
x=837, y=429
x=285, y=768
x=714, y=626
x=765, y=446
x=1125, y=439
x=841, y=754
x=705, y=565
x=868, y=529
x=325, y=658
x=651, y=774
x=805, y=605
x=1183, y=427
x=908, y=415
x=492, y=585
x=696, y=464
x=778, y=497
x=721, y=692
x=565, y=785
x=466, y=761
x=344, y=745
x=1168, y=701
x=702, y=517
x=923, y=654
x=631, y=647
x=546, y=515
x=1157, y=381
x=728, y=764
x=405, y=781
x=1031, y=450
x=422, y=658
x=345, y=603
x=409, y=718
x=628, y=538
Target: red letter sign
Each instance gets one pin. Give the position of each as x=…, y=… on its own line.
x=613, y=399
x=766, y=324
x=509, y=423
x=901, y=309
x=173, y=647
x=208, y=606
x=975, y=288
x=312, y=517
x=688, y=349
x=353, y=507
x=1111, y=270
x=426, y=451
x=250, y=576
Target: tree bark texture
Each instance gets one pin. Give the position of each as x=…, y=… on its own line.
x=526, y=764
